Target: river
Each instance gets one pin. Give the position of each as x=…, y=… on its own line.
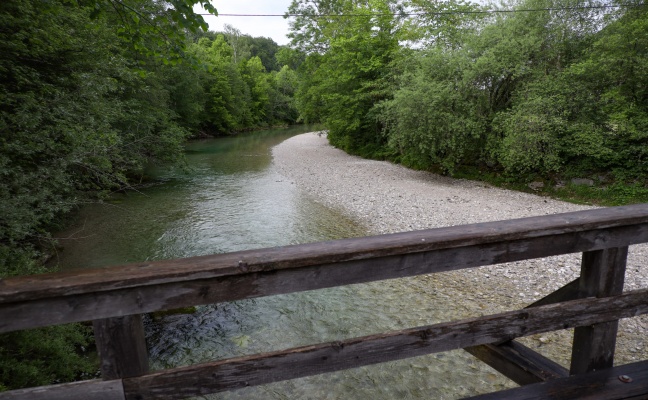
x=227, y=197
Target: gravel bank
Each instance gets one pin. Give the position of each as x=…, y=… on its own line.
x=387, y=198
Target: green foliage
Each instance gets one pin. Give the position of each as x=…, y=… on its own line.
x=151, y=29
x=590, y=115
x=292, y=58
x=533, y=93
x=239, y=92
x=49, y=85
x=557, y=92
x=253, y=73
x=283, y=106
x=265, y=49
x=341, y=86
x=614, y=194
x=442, y=23
x=44, y=356
x=431, y=121
x=533, y=130
x=90, y=92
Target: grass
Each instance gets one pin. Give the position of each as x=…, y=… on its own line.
x=600, y=194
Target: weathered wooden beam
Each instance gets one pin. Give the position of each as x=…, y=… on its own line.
x=518, y=362
x=95, y=390
x=260, y=369
x=263, y=260
x=261, y=277
x=602, y=274
x=606, y=384
x=121, y=344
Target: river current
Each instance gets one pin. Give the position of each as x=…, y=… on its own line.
x=227, y=197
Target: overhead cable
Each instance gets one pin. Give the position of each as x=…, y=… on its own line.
x=406, y=14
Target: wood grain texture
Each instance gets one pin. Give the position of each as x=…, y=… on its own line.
x=114, y=295
x=121, y=344
x=518, y=362
x=264, y=260
x=600, y=385
x=85, y=390
x=602, y=274
x=260, y=369
x=265, y=278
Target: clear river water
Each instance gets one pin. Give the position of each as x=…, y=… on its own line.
x=230, y=197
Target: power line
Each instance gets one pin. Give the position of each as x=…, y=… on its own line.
x=432, y=12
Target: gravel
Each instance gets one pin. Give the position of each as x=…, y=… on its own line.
x=388, y=198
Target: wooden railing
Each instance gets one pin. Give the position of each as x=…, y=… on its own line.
x=115, y=298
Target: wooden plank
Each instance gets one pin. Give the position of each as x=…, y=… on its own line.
x=263, y=260
x=602, y=274
x=84, y=390
x=121, y=344
x=601, y=385
x=249, y=284
x=202, y=379
x=518, y=362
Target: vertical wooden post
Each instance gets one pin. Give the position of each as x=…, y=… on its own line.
x=122, y=346
x=602, y=275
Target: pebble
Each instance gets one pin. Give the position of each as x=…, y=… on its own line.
x=388, y=198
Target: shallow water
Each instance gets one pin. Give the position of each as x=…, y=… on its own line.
x=230, y=197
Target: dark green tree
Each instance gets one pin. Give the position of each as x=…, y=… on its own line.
x=85, y=102
x=346, y=73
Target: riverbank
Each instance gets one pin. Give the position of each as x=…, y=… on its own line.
x=387, y=198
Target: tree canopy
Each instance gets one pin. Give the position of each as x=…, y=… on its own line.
x=91, y=91
x=549, y=89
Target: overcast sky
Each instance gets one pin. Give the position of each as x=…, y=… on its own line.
x=272, y=27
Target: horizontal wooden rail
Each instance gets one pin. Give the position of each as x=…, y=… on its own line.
x=114, y=298
x=211, y=377
x=260, y=369
x=602, y=385
x=49, y=299
x=85, y=390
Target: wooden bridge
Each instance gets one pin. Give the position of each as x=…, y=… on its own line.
x=115, y=298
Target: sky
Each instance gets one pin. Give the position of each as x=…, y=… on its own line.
x=272, y=27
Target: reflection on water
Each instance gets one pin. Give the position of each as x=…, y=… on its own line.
x=229, y=197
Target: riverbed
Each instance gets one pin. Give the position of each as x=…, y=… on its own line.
x=388, y=198
x=238, y=193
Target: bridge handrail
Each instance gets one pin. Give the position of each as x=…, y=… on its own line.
x=112, y=296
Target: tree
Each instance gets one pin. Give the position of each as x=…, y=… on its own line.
x=282, y=96
x=256, y=79
x=587, y=113
x=85, y=102
x=494, y=89
x=152, y=28
x=265, y=49
x=238, y=43
x=347, y=68
x=290, y=57
x=434, y=119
